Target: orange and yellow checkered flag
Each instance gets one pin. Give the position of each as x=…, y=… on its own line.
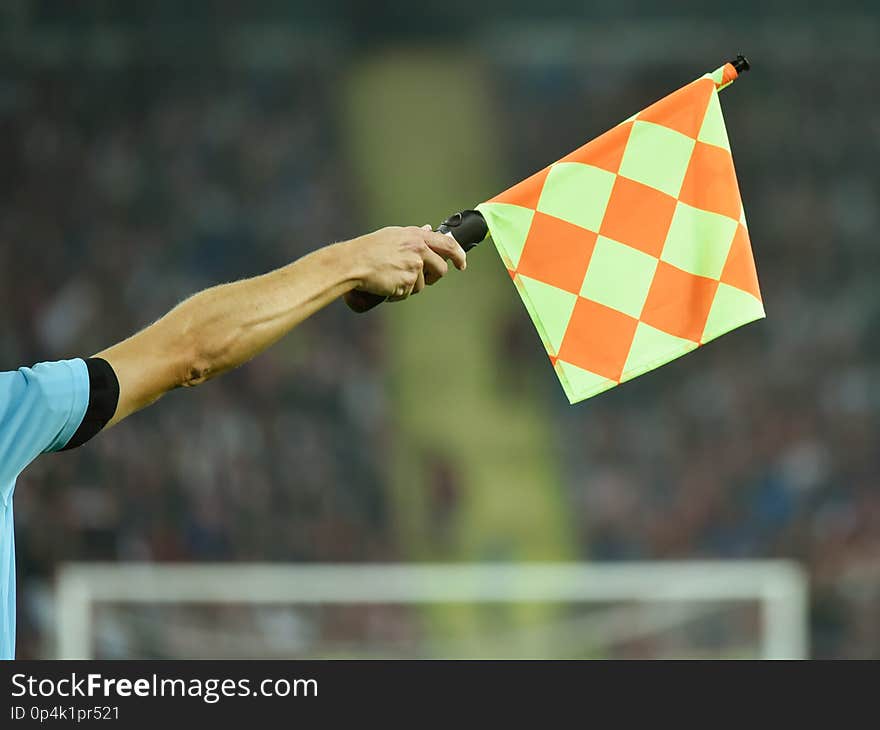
x=633, y=250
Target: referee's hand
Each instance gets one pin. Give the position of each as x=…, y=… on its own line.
x=396, y=262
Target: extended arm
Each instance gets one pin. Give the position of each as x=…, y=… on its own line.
x=224, y=326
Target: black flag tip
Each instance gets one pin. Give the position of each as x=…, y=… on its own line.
x=741, y=63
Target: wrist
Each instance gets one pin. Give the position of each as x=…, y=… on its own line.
x=351, y=263
x=339, y=262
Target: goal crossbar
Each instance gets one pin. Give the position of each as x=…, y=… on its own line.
x=780, y=587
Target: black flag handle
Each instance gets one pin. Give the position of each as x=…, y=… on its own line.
x=467, y=227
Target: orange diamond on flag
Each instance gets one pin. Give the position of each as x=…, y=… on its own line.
x=679, y=302
x=598, y=338
x=638, y=216
x=526, y=193
x=710, y=182
x=684, y=110
x=606, y=151
x=557, y=252
x=739, y=271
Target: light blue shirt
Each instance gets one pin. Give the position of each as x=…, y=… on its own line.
x=40, y=410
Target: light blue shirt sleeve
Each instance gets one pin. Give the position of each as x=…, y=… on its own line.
x=40, y=409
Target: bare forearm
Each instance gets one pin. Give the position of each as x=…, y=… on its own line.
x=224, y=326
x=229, y=324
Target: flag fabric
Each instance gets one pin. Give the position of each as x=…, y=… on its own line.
x=633, y=250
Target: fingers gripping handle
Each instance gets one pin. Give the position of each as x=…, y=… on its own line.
x=467, y=227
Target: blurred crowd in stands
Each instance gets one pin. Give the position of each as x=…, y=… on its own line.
x=123, y=192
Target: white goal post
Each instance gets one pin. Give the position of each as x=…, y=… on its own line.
x=778, y=587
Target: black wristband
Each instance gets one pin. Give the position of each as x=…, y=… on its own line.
x=103, y=399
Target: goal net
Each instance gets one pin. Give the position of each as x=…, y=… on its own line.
x=533, y=610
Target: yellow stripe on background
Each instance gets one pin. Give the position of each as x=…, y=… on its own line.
x=423, y=145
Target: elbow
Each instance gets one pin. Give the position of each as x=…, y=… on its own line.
x=196, y=363
x=203, y=362
x=195, y=372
